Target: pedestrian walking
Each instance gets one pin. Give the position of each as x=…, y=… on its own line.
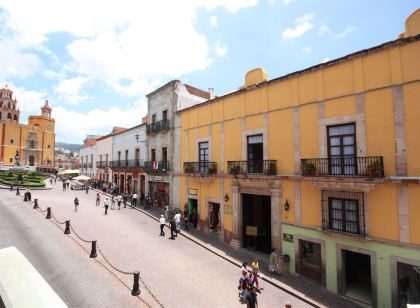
x=106, y=204
x=186, y=219
x=177, y=218
x=275, y=262
x=87, y=188
x=256, y=273
x=162, y=225
x=173, y=229
x=119, y=199
x=51, y=181
x=67, y=184
x=112, y=202
x=98, y=199
x=125, y=200
x=134, y=200
x=64, y=186
x=28, y=191
x=76, y=204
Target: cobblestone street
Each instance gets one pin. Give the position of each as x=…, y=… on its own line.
x=179, y=272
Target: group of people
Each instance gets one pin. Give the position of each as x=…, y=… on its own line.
x=249, y=284
x=174, y=225
x=115, y=199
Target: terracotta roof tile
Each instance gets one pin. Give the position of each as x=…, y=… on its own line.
x=197, y=92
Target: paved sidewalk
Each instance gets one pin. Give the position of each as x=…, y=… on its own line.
x=299, y=286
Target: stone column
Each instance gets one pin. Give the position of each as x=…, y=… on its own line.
x=275, y=218
x=236, y=213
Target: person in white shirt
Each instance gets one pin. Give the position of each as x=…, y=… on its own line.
x=134, y=201
x=162, y=225
x=119, y=200
x=178, y=221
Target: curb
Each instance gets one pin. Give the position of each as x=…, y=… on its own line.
x=274, y=283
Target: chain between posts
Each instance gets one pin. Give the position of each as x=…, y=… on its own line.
x=110, y=264
x=78, y=236
x=57, y=221
x=146, y=287
x=43, y=211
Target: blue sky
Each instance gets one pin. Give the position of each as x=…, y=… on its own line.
x=95, y=60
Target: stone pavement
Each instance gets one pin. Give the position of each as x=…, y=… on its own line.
x=305, y=289
x=180, y=273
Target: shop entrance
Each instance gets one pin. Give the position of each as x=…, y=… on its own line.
x=121, y=191
x=357, y=277
x=214, y=217
x=310, y=260
x=193, y=212
x=159, y=191
x=256, y=222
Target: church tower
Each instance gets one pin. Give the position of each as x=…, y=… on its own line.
x=8, y=106
x=46, y=110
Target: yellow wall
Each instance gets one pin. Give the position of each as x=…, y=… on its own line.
x=335, y=85
x=414, y=212
x=383, y=213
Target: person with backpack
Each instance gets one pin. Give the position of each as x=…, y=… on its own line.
x=76, y=204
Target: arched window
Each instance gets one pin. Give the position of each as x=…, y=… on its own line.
x=15, y=117
x=8, y=105
x=9, y=115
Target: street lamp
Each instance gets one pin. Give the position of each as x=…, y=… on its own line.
x=137, y=139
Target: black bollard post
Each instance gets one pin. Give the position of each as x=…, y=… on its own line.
x=36, y=204
x=67, y=230
x=25, y=197
x=93, y=250
x=48, y=213
x=136, y=287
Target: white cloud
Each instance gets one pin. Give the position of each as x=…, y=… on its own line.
x=221, y=51
x=324, y=29
x=346, y=31
x=69, y=89
x=16, y=62
x=288, y=1
x=307, y=50
x=303, y=24
x=103, y=123
x=29, y=101
x=213, y=21
x=138, y=87
x=325, y=60
x=135, y=40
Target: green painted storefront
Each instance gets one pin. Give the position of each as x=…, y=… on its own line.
x=383, y=257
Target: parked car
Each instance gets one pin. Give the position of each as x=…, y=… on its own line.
x=77, y=185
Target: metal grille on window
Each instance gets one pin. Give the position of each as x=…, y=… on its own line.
x=343, y=211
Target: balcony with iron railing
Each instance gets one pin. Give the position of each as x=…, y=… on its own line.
x=84, y=166
x=201, y=167
x=102, y=164
x=245, y=167
x=128, y=163
x=347, y=166
x=90, y=165
x=162, y=166
x=154, y=128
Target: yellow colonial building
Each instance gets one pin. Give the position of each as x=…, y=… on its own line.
x=33, y=142
x=322, y=164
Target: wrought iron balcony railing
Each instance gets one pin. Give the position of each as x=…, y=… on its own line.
x=157, y=165
x=154, y=128
x=347, y=166
x=90, y=165
x=84, y=165
x=266, y=167
x=129, y=163
x=208, y=167
x=102, y=164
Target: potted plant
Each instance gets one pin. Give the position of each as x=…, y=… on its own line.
x=374, y=169
x=188, y=168
x=234, y=170
x=272, y=168
x=309, y=168
x=212, y=169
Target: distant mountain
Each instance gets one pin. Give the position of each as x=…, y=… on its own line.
x=69, y=146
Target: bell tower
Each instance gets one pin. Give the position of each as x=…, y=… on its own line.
x=8, y=106
x=46, y=110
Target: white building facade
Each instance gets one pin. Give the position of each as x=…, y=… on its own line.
x=88, y=161
x=103, y=159
x=129, y=150
x=163, y=161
